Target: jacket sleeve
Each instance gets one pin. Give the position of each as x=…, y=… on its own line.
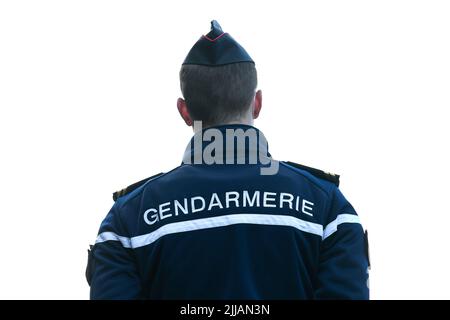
x=111, y=270
x=343, y=263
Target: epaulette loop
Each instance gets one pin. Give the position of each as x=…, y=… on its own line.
x=132, y=187
x=334, y=178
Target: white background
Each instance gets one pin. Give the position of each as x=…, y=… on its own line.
x=88, y=95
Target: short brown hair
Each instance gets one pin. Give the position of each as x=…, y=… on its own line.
x=218, y=94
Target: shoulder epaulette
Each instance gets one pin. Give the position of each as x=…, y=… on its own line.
x=334, y=178
x=131, y=187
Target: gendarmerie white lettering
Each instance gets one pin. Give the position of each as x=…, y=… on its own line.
x=153, y=217
x=307, y=207
x=215, y=202
x=230, y=199
x=252, y=202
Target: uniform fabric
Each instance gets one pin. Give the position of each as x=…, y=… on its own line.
x=227, y=232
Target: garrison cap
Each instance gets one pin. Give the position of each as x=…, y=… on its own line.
x=217, y=48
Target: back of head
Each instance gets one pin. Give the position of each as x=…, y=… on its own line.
x=218, y=94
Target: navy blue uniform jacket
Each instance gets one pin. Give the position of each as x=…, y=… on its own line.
x=227, y=232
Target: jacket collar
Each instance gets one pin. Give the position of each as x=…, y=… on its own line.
x=227, y=144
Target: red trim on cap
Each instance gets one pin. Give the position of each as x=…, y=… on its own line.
x=212, y=40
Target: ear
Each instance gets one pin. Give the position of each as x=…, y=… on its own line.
x=257, y=105
x=184, y=113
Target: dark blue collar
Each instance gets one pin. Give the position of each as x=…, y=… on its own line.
x=227, y=144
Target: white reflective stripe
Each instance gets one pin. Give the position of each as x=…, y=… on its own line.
x=214, y=222
x=221, y=221
x=107, y=236
x=342, y=218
